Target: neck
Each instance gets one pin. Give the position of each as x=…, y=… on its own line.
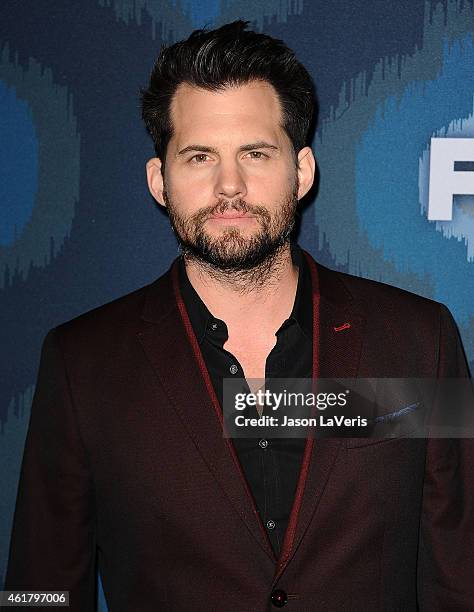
x=248, y=294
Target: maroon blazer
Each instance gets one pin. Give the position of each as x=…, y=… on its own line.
x=126, y=469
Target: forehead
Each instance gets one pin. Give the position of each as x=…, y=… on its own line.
x=252, y=109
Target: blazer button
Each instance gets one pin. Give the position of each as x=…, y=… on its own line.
x=279, y=598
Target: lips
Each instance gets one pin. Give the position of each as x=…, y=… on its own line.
x=232, y=215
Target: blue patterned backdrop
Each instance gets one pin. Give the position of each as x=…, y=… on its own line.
x=78, y=228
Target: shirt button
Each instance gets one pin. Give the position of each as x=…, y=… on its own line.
x=271, y=524
x=214, y=326
x=263, y=443
x=233, y=369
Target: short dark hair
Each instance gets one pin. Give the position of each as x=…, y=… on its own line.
x=229, y=56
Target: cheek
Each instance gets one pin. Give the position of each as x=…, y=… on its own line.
x=272, y=188
x=188, y=187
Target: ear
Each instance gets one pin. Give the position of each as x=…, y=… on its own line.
x=306, y=171
x=155, y=179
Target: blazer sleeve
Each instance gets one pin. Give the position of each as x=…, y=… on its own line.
x=446, y=551
x=53, y=536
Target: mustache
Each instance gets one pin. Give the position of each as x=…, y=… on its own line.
x=222, y=206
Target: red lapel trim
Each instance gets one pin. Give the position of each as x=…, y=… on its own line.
x=215, y=402
x=308, y=451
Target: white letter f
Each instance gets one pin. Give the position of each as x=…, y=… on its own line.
x=451, y=173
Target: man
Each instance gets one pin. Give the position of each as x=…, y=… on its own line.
x=125, y=456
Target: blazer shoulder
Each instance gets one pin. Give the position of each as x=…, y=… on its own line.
x=377, y=295
x=117, y=317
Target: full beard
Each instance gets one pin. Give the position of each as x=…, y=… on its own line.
x=233, y=257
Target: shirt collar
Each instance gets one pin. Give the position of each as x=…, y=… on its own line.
x=301, y=314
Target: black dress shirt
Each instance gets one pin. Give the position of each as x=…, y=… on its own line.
x=271, y=466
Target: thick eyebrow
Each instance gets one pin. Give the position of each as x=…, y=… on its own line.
x=261, y=144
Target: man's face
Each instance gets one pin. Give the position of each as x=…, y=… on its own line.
x=230, y=185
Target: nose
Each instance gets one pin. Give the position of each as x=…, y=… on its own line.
x=230, y=181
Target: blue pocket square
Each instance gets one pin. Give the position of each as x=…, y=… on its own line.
x=393, y=416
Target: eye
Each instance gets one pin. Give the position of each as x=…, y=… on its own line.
x=198, y=158
x=257, y=155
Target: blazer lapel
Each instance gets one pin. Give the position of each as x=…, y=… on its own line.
x=341, y=328
x=167, y=339
x=171, y=347
x=337, y=340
